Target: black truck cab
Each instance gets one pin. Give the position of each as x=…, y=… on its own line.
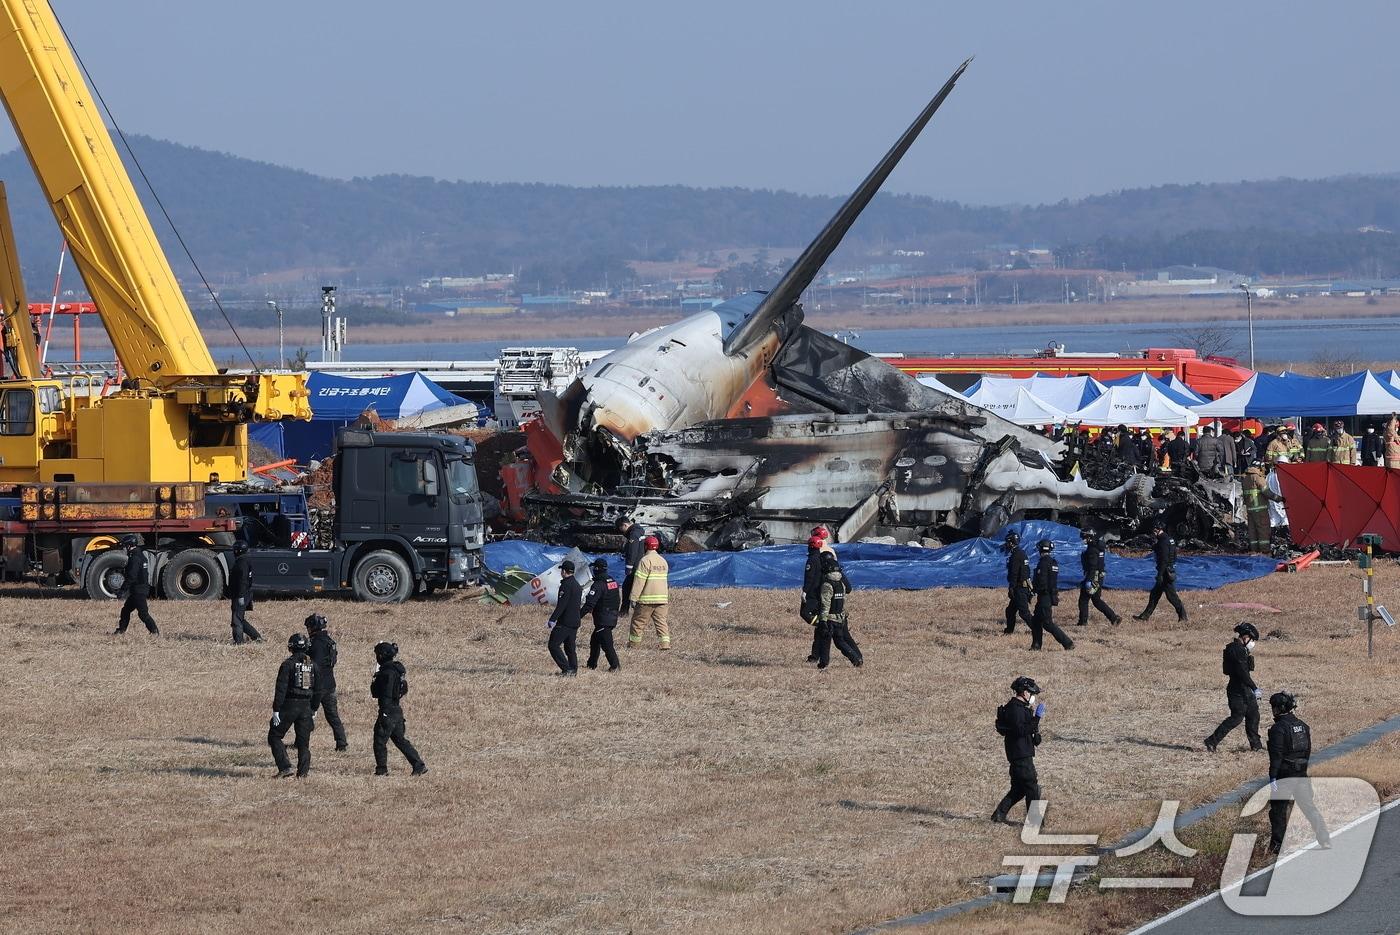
x=408, y=516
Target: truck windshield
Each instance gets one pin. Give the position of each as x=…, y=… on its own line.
x=461, y=477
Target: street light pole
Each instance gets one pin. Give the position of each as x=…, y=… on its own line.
x=1249, y=313
x=281, y=344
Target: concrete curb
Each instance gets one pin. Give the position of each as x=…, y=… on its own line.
x=1349, y=744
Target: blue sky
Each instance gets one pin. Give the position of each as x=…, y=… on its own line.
x=1064, y=99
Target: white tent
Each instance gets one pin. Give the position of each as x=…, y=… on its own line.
x=1015, y=404
x=1141, y=406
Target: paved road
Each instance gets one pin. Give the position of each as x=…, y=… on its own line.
x=1373, y=909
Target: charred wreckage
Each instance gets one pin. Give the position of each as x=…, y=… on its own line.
x=739, y=426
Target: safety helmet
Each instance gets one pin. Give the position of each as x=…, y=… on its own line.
x=1282, y=701
x=1045, y=545
x=316, y=623
x=130, y=541
x=653, y=543
x=816, y=542
x=829, y=562
x=567, y=567
x=599, y=565
x=1317, y=427
x=385, y=652
x=240, y=547
x=820, y=532
x=1013, y=538
x=298, y=643
x=1247, y=629
x=1025, y=684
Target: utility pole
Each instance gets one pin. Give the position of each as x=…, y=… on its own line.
x=281, y=337
x=1249, y=313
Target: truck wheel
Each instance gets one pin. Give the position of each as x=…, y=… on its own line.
x=382, y=577
x=192, y=575
x=106, y=576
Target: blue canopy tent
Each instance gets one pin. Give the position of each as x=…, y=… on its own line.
x=1181, y=394
x=337, y=401
x=1265, y=396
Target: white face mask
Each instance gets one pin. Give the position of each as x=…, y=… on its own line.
x=1249, y=645
x=1031, y=701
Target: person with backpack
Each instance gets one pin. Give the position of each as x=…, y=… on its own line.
x=832, y=623
x=604, y=601
x=1018, y=722
x=324, y=653
x=1241, y=694
x=389, y=687
x=240, y=594
x=1290, y=748
x=136, y=588
x=294, y=703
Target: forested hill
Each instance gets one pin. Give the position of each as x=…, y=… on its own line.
x=243, y=218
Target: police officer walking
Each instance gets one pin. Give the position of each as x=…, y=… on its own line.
x=389, y=686
x=1164, y=553
x=564, y=622
x=1018, y=722
x=633, y=548
x=1241, y=694
x=604, y=601
x=1018, y=584
x=1290, y=747
x=1047, y=595
x=323, y=652
x=294, y=704
x=136, y=588
x=240, y=594
x=832, y=623
x=1091, y=588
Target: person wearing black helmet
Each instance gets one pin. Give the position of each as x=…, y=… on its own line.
x=240, y=594
x=1241, y=694
x=1091, y=588
x=1047, y=595
x=1164, y=554
x=1018, y=584
x=1290, y=747
x=1018, y=722
x=564, y=621
x=294, y=704
x=324, y=653
x=136, y=587
x=832, y=623
x=604, y=601
x=633, y=549
x=389, y=687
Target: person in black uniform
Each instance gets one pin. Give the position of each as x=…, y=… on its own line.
x=1128, y=450
x=1047, y=595
x=1091, y=588
x=1290, y=747
x=833, y=625
x=811, y=590
x=324, y=653
x=136, y=588
x=632, y=551
x=390, y=685
x=1372, y=448
x=1241, y=694
x=294, y=704
x=604, y=600
x=564, y=622
x=1018, y=722
x=240, y=594
x=1018, y=584
x=1164, y=553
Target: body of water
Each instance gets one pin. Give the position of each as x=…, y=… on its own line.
x=1278, y=342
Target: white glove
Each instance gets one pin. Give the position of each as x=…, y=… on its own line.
x=1258, y=693
x=276, y=719
x=313, y=718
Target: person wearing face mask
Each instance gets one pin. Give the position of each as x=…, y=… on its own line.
x=1372, y=448
x=1241, y=693
x=1018, y=722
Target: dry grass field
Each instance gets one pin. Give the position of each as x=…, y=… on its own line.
x=722, y=787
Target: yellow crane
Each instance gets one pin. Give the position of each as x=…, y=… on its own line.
x=177, y=417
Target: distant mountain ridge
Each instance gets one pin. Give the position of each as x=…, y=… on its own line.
x=243, y=218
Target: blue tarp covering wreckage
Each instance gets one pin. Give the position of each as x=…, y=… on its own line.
x=975, y=563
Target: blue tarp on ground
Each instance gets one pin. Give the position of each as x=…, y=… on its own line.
x=976, y=563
